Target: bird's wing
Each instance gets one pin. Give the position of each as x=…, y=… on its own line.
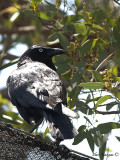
x=36, y=85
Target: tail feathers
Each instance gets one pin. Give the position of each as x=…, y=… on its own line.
x=68, y=112
x=60, y=108
x=59, y=125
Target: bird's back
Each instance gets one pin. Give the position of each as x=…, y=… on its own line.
x=35, y=85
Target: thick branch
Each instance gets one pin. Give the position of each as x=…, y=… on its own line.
x=20, y=30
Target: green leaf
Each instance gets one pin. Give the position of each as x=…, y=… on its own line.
x=87, y=120
x=102, y=100
x=35, y=2
x=81, y=128
x=71, y=19
x=63, y=40
x=43, y=15
x=107, y=127
x=77, y=2
x=110, y=105
x=69, y=28
x=74, y=98
x=53, y=37
x=92, y=100
x=62, y=68
x=117, y=94
x=118, y=138
x=9, y=64
x=112, y=22
x=116, y=32
x=3, y=100
x=88, y=46
x=81, y=136
x=97, y=75
x=97, y=26
x=90, y=140
x=102, y=151
x=115, y=71
x=84, y=108
x=80, y=28
x=92, y=85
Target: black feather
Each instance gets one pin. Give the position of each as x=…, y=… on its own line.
x=37, y=91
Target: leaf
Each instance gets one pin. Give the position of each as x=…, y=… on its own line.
x=62, y=68
x=71, y=19
x=116, y=33
x=74, y=98
x=102, y=100
x=92, y=100
x=118, y=138
x=3, y=100
x=80, y=28
x=87, y=46
x=35, y=2
x=53, y=37
x=87, y=120
x=79, y=138
x=117, y=94
x=81, y=128
x=84, y=108
x=63, y=40
x=97, y=26
x=92, y=85
x=43, y=15
x=77, y=2
x=107, y=127
x=110, y=105
x=90, y=140
x=9, y=64
x=115, y=71
x=97, y=75
x=102, y=151
x=82, y=135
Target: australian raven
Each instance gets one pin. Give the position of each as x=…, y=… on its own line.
x=38, y=92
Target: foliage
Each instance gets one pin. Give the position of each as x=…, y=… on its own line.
x=91, y=37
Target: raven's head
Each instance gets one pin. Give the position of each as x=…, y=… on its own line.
x=40, y=54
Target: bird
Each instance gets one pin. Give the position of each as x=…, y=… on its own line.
x=38, y=92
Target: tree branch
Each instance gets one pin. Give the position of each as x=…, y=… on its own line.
x=116, y=2
x=10, y=57
x=106, y=113
x=20, y=30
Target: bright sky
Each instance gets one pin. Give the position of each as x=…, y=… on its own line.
x=83, y=147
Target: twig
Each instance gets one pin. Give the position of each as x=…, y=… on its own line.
x=116, y=2
x=106, y=113
x=83, y=154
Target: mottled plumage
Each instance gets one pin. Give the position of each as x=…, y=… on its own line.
x=38, y=92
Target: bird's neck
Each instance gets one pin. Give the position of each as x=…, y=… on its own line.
x=28, y=60
x=51, y=65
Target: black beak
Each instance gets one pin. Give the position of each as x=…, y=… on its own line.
x=56, y=51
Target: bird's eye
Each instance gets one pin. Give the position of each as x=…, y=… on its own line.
x=40, y=50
